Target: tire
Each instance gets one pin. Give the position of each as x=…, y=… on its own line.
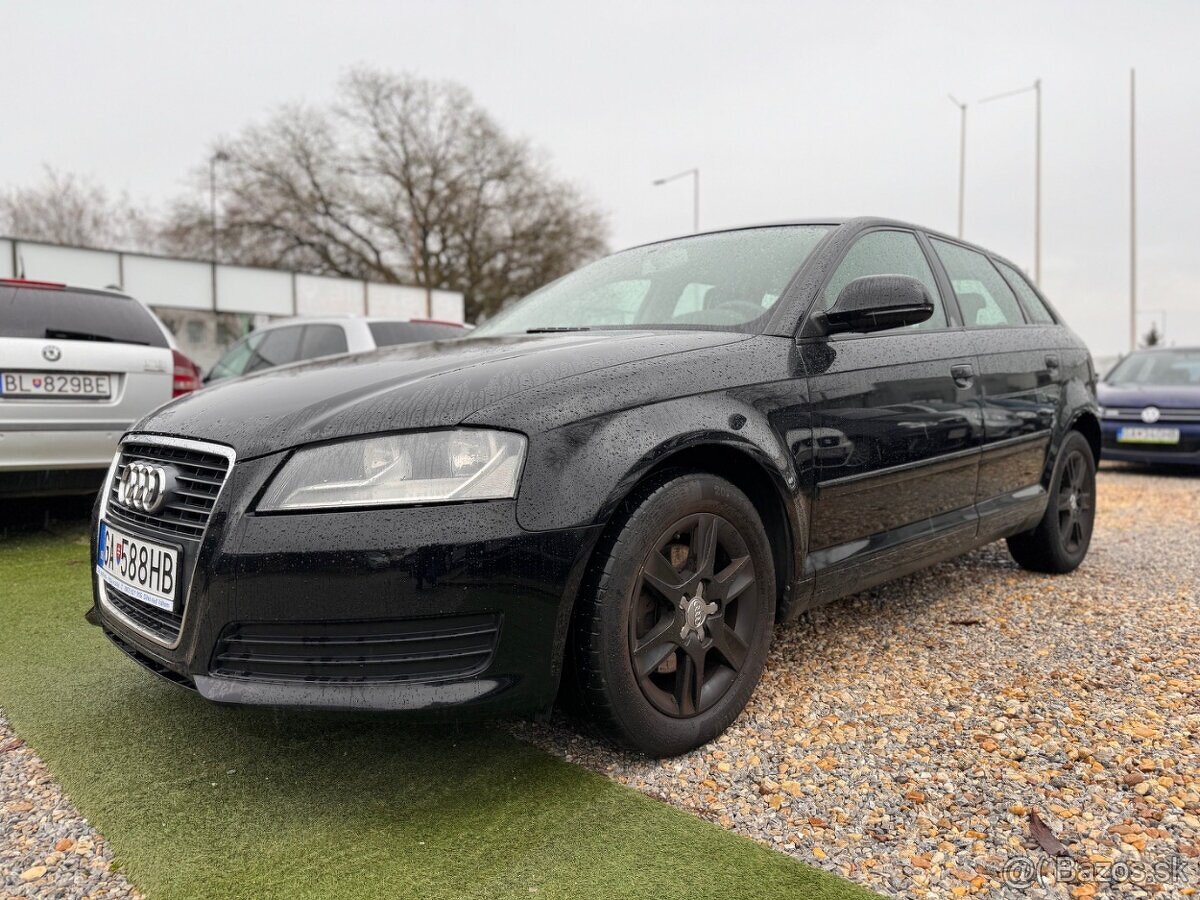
x=1060, y=541
x=683, y=584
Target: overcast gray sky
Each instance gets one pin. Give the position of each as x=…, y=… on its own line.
x=789, y=109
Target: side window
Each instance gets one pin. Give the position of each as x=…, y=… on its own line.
x=233, y=363
x=1035, y=309
x=278, y=346
x=983, y=295
x=887, y=253
x=322, y=340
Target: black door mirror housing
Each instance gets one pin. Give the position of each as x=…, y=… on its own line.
x=878, y=303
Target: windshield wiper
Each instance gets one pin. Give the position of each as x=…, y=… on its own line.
x=59, y=334
x=554, y=329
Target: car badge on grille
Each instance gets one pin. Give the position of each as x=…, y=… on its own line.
x=1151, y=414
x=144, y=486
x=51, y=353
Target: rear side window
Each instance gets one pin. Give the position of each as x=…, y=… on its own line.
x=887, y=253
x=322, y=340
x=385, y=334
x=983, y=295
x=76, y=316
x=233, y=363
x=278, y=347
x=1035, y=309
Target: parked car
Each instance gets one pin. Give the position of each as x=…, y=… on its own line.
x=1150, y=407
x=77, y=368
x=295, y=340
x=621, y=482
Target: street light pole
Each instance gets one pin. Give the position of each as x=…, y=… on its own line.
x=695, y=173
x=219, y=156
x=1133, y=336
x=1036, y=87
x=962, y=157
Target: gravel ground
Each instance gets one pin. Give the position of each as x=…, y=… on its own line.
x=903, y=737
x=46, y=848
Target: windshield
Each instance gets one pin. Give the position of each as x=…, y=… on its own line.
x=1169, y=368
x=725, y=281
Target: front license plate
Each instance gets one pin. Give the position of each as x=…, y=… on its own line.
x=1137, y=435
x=51, y=385
x=144, y=570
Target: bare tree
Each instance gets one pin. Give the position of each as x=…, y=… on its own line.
x=403, y=180
x=70, y=209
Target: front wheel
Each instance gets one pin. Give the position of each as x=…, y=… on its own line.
x=672, y=636
x=1060, y=541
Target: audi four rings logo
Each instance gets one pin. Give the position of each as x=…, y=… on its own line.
x=143, y=486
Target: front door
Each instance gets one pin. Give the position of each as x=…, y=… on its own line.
x=896, y=432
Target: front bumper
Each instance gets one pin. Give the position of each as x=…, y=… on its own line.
x=384, y=609
x=1185, y=453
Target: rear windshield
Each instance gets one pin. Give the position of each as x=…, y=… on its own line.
x=76, y=316
x=388, y=333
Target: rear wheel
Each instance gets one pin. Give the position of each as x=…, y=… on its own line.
x=1060, y=541
x=672, y=637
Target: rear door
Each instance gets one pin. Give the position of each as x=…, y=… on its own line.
x=1021, y=384
x=896, y=419
x=78, y=361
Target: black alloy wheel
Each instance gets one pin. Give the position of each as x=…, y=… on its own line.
x=689, y=634
x=1060, y=541
x=671, y=633
x=1076, y=502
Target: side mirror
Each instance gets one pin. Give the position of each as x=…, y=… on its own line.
x=877, y=303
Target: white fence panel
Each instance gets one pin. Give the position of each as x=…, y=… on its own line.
x=71, y=265
x=323, y=296
x=177, y=283
x=395, y=301
x=448, y=306
x=6, y=269
x=254, y=291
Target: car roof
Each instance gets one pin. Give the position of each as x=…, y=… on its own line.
x=349, y=317
x=853, y=223
x=59, y=287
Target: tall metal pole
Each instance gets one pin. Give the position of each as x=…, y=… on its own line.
x=212, y=200
x=962, y=159
x=1036, y=87
x=695, y=173
x=1037, y=191
x=219, y=157
x=1132, y=210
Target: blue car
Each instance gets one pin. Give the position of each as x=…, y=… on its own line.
x=1150, y=407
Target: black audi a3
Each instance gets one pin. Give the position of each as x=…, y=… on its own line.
x=610, y=492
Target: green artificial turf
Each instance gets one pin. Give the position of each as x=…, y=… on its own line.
x=204, y=801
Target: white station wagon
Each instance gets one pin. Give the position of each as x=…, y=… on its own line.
x=77, y=368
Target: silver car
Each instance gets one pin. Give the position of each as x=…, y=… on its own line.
x=77, y=368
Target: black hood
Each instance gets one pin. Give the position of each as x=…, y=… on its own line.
x=426, y=385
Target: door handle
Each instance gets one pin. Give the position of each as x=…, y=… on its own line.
x=1051, y=362
x=963, y=375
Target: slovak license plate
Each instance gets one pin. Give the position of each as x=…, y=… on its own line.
x=68, y=385
x=144, y=570
x=1138, y=435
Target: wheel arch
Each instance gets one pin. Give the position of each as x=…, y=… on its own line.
x=745, y=470
x=1086, y=423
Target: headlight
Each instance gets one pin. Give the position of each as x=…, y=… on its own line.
x=399, y=469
